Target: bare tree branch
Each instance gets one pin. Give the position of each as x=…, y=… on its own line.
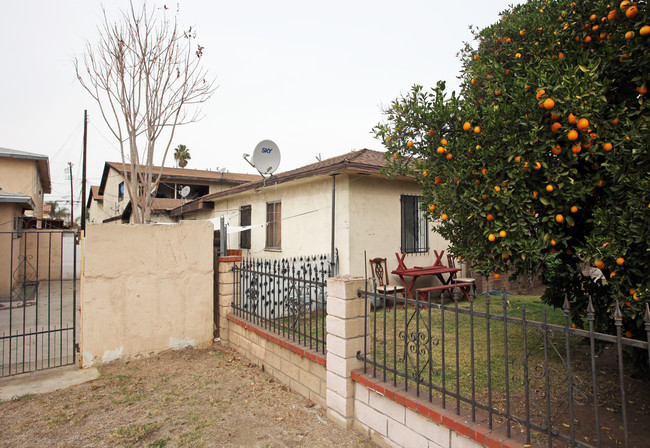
x=144, y=73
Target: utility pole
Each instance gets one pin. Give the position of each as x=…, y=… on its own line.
x=83, y=176
x=71, y=196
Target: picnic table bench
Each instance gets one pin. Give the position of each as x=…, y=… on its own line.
x=464, y=287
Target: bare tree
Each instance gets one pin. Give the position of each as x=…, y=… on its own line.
x=144, y=72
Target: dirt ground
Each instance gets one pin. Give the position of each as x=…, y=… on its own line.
x=189, y=398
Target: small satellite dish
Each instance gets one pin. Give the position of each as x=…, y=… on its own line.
x=266, y=157
x=185, y=191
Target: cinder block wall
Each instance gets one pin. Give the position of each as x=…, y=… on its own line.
x=302, y=370
x=146, y=288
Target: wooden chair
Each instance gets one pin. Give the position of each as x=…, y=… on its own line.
x=452, y=264
x=379, y=271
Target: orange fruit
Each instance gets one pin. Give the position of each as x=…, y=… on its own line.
x=549, y=103
x=467, y=126
x=549, y=188
x=409, y=144
x=553, y=242
x=502, y=234
x=599, y=264
x=576, y=148
x=425, y=173
x=642, y=89
x=441, y=150
x=559, y=218
x=518, y=55
x=395, y=156
x=497, y=92
x=432, y=132
x=631, y=12
x=624, y=5
x=554, y=117
x=614, y=121
x=438, y=180
x=560, y=56
x=444, y=217
x=607, y=147
x=620, y=261
x=572, y=135
x=629, y=35
x=432, y=207
x=443, y=142
x=612, y=275
x=645, y=30
x=574, y=325
x=491, y=237
x=535, y=195
x=537, y=166
x=477, y=130
x=574, y=209
x=490, y=217
x=497, y=188
x=556, y=150
x=583, y=124
x=522, y=32
x=539, y=94
x=573, y=119
x=613, y=14
x=587, y=39
x=628, y=334
x=497, y=276
x=449, y=156
x=593, y=17
x=632, y=291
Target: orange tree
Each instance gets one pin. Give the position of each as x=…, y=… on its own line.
x=541, y=162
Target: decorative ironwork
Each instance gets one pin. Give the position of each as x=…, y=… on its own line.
x=287, y=296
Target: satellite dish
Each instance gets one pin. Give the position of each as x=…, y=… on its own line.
x=185, y=191
x=266, y=157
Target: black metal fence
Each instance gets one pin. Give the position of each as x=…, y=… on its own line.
x=545, y=382
x=38, y=306
x=285, y=296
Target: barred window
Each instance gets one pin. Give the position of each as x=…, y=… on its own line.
x=415, y=235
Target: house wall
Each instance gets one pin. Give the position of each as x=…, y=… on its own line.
x=19, y=175
x=367, y=218
x=112, y=205
x=97, y=213
x=145, y=288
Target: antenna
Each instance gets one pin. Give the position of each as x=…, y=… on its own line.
x=266, y=158
x=185, y=191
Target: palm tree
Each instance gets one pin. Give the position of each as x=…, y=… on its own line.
x=57, y=212
x=182, y=155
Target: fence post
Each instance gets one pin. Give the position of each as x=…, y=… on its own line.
x=345, y=332
x=226, y=293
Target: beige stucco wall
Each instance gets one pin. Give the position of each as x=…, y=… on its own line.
x=145, y=288
x=112, y=205
x=97, y=213
x=19, y=175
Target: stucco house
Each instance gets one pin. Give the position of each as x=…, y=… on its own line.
x=109, y=201
x=24, y=180
x=343, y=205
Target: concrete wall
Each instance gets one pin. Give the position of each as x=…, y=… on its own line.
x=19, y=175
x=145, y=288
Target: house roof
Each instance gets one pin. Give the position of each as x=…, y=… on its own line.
x=42, y=162
x=364, y=161
x=17, y=198
x=181, y=175
x=94, y=193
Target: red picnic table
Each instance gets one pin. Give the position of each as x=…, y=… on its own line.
x=437, y=269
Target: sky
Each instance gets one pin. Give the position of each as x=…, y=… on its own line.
x=311, y=76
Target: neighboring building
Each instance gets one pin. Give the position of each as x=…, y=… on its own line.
x=109, y=202
x=24, y=180
x=291, y=214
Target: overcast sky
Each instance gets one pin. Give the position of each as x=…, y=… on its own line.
x=311, y=76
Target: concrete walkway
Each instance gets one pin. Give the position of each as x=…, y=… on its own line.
x=44, y=381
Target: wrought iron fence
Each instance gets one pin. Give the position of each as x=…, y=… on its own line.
x=285, y=296
x=38, y=307
x=544, y=381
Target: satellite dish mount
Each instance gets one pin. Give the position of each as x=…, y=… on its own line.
x=266, y=158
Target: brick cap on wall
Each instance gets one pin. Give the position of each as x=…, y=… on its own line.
x=462, y=424
x=231, y=258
